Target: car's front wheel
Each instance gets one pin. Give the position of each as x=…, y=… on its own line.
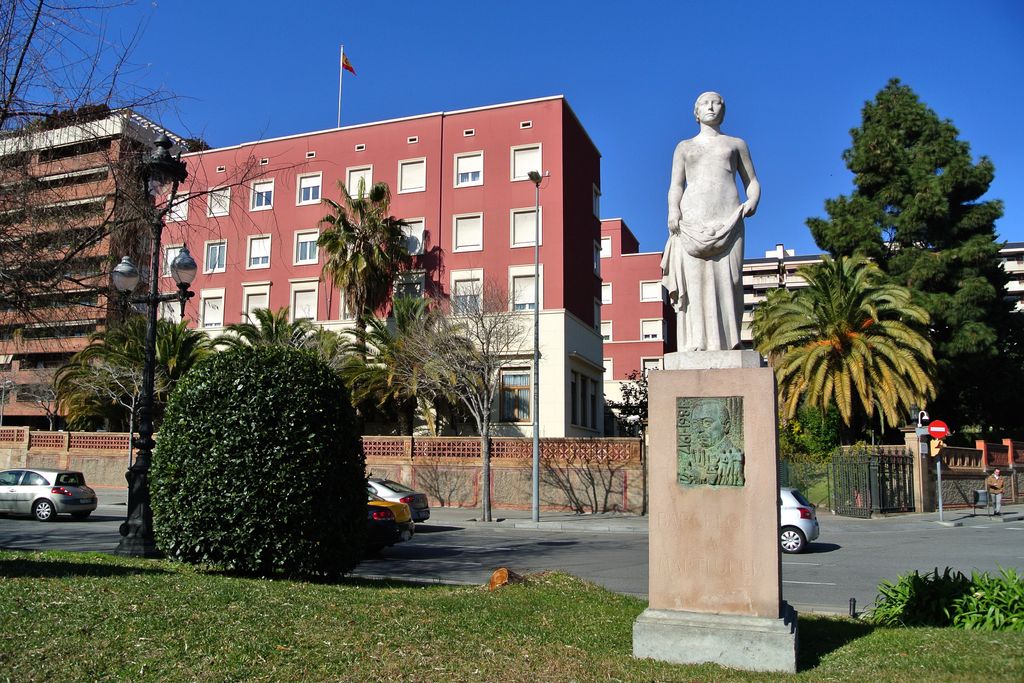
x=792, y=540
x=43, y=510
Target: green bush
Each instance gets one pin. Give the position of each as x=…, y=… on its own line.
x=918, y=600
x=994, y=603
x=982, y=602
x=258, y=467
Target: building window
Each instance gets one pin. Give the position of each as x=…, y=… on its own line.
x=218, y=202
x=305, y=247
x=469, y=232
x=524, y=160
x=358, y=181
x=253, y=300
x=262, y=197
x=515, y=396
x=574, y=404
x=303, y=304
x=410, y=284
x=170, y=310
x=412, y=175
x=213, y=311
x=606, y=292
x=178, y=211
x=597, y=259
x=413, y=230
x=597, y=202
x=650, y=330
x=524, y=227
x=469, y=169
x=593, y=404
x=259, y=252
x=216, y=257
x=170, y=253
x=608, y=373
x=597, y=315
x=606, y=247
x=649, y=364
x=606, y=330
x=309, y=189
x=650, y=291
x=524, y=293
x=466, y=296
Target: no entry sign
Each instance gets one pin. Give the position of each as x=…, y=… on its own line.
x=937, y=429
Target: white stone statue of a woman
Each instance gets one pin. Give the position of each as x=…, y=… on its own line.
x=702, y=266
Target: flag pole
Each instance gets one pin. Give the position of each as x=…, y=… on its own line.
x=341, y=73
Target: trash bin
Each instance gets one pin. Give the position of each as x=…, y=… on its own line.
x=980, y=500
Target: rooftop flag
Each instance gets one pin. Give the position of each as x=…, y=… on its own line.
x=347, y=65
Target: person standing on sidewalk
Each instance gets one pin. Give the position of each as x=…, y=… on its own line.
x=995, y=484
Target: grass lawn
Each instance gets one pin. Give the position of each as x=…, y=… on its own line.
x=79, y=617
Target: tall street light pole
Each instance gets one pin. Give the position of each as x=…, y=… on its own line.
x=158, y=171
x=536, y=178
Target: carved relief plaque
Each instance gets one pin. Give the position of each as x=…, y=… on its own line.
x=709, y=441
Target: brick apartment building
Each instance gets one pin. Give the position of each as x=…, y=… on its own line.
x=460, y=180
x=66, y=203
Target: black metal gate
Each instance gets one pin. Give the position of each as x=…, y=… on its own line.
x=877, y=479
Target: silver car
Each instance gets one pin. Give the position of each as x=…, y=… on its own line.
x=45, y=493
x=798, y=522
x=399, y=493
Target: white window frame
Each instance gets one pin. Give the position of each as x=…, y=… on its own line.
x=606, y=287
x=608, y=364
x=455, y=231
x=296, y=261
x=659, y=360
x=659, y=297
x=354, y=189
x=401, y=172
x=606, y=253
x=214, y=192
x=525, y=271
x=165, y=264
x=539, y=228
x=467, y=275
x=207, y=295
x=248, y=252
x=609, y=324
x=300, y=285
x=298, y=188
x=206, y=253
x=408, y=231
x=466, y=155
x=254, y=193
x=512, y=160
x=178, y=211
x=250, y=289
x=661, y=329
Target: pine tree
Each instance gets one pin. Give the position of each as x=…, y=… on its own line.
x=917, y=211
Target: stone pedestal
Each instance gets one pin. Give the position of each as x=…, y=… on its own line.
x=715, y=592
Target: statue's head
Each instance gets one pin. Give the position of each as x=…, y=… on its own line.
x=709, y=108
x=710, y=422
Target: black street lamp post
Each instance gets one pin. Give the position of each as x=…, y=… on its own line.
x=159, y=171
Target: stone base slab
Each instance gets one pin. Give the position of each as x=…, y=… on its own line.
x=740, y=642
x=712, y=360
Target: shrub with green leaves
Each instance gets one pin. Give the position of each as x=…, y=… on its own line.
x=258, y=467
x=918, y=599
x=994, y=603
x=982, y=602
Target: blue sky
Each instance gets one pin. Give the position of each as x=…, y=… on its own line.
x=794, y=75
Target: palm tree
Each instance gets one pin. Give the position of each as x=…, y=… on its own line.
x=272, y=328
x=389, y=371
x=103, y=381
x=850, y=337
x=365, y=248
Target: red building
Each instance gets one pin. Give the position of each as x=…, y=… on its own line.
x=460, y=180
x=635, y=313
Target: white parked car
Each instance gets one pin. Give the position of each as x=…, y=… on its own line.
x=798, y=523
x=399, y=493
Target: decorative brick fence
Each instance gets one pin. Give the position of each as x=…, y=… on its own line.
x=587, y=475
